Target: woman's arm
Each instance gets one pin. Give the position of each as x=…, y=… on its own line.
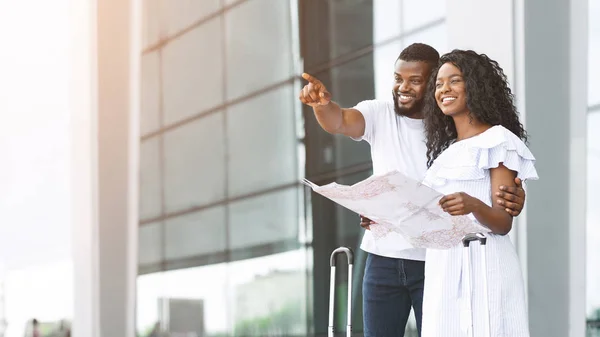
x=495, y=217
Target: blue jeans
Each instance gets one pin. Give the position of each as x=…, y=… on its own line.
x=390, y=288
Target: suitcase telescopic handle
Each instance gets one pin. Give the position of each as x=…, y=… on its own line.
x=467, y=239
x=345, y=250
x=332, y=262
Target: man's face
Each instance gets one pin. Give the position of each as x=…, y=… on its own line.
x=410, y=84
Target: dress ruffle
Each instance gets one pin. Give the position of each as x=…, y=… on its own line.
x=469, y=158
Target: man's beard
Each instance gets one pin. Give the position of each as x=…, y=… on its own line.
x=408, y=112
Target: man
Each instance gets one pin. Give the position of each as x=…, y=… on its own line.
x=393, y=280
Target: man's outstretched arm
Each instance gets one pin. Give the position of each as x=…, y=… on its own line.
x=331, y=117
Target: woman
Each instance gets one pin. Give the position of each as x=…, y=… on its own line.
x=475, y=143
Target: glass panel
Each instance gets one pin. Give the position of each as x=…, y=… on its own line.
x=262, y=142
x=171, y=303
x=150, y=289
x=384, y=61
x=150, y=93
x=269, y=295
x=151, y=22
x=418, y=13
x=180, y=14
x=436, y=36
x=386, y=23
x=258, y=48
x=150, y=246
x=195, y=164
x=150, y=180
x=195, y=301
x=195, y=234
x=265, y=219
x=351, y=26
x=593, y=222
x=334, y=29
x=349, y=83
x=594, y=52
x=193, y=72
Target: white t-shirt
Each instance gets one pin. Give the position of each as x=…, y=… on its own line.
x=397, y=143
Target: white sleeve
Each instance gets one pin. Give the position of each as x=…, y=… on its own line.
x=370, y=111
x=493, y=147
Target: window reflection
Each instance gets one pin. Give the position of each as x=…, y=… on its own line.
x=148, y=292
x=253, y=225
x=196, y=234
x=258, y=51
x=189, y=68
x=269, y=295
x=254, y=124
x=192, y=148
x=185, y=302
x=254, y=297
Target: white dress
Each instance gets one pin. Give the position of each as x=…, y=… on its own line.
x=465, y=167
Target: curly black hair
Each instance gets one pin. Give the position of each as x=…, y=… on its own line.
x=489, y=100
x=420, y=52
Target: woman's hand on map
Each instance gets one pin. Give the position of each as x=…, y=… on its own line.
x=459, y=203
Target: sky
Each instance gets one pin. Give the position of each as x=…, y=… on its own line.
x=35, y=241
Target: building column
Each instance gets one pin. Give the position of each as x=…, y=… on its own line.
x=104, y=179
x=555, y=66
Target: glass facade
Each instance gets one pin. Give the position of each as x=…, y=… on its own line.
x=230, y=244
x=221, y=208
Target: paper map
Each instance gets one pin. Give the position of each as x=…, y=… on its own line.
x=406, y=212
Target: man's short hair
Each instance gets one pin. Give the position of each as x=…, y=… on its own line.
x=420, y=52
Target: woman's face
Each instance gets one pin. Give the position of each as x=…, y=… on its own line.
x=450, y=91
